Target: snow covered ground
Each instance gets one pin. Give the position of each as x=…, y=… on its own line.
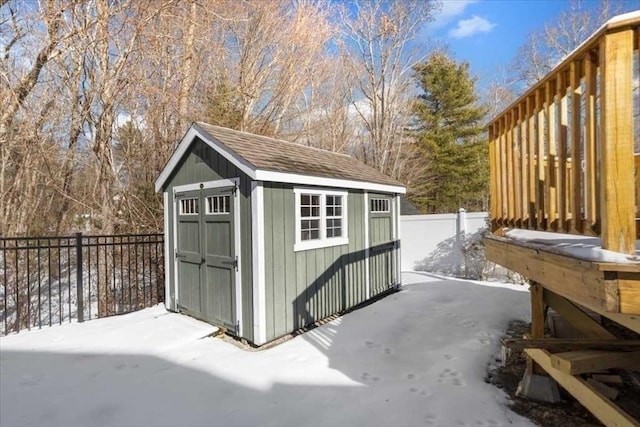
x=417, y=357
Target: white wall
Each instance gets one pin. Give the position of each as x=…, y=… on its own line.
x=421, y=234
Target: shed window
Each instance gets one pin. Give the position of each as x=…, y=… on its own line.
x=320, y=219
x=189, y=206
x=218, y=205
x=379, y=205
x=309, y=216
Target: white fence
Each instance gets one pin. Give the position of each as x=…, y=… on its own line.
x=425, y=238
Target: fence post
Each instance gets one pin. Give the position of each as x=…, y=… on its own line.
x=79, y=286
x=461, y=230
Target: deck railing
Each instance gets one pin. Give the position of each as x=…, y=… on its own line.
x=562, y=156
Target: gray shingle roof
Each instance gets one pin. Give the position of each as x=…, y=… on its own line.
x=282, y=156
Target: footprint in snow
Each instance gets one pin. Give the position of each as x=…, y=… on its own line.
x=451, y=376
x=469, y=323
x=429, y=419
x=485, y=337
x=490, y=423
x=366, y=377
x=423, y=393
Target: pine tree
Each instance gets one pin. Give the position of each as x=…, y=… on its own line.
x=449, y=136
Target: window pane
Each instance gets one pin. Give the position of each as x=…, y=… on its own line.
x=315, y=200
x=315, y=211
x=330, y=211
x=305, y=211
x=315, y=234
x=337, y=200
x=304, y=199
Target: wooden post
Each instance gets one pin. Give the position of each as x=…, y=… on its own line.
x=517, y=171
x=616, y=139
x=537, y=319
x=531, y=122
x=540, y=178
x=551, y=184
x=592, y=214
x=493, y=177
x=576, y=163
x=503, y=172
x=524, y=158
x=510, y=172
x=562, y=119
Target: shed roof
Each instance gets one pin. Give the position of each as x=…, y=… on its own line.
x=268, y=159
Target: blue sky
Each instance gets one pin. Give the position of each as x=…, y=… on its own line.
x=488, y=33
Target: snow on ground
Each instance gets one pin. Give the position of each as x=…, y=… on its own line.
x=416, y=357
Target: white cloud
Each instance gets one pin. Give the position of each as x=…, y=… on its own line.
x=450, y=9
x=471, y=26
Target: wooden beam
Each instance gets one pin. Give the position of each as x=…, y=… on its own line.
x=631, y=321
x=581, y=362
x=609, y=392
x=616, y=139
x=605, y=410
x=566, y=344
x=629, y=291
x=584, y=323
x=569, y=277
x=608, y=379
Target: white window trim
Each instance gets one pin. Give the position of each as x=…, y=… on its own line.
x=226, y=207
x=387, y=203
x=323, y=241
x=184, y=199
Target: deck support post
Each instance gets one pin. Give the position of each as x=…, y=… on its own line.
x=536, y=384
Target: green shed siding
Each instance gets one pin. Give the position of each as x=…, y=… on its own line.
x=202, y=164
x=305, y=286
x=383, y=250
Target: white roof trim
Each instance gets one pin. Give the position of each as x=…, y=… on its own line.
x=261, y=174
x=294, y=178
x=193, y=132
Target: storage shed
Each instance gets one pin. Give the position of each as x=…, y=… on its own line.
x=264, y=236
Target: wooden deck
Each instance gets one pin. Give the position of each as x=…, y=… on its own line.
x=565, y=158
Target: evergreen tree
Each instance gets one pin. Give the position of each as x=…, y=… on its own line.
x=449, y=137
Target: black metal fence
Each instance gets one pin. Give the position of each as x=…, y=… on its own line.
x=51, y=280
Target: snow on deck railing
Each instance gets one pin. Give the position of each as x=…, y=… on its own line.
x=582, y=247
x=562, y=155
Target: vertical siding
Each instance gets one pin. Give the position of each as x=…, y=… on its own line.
x=201, y=164
x=306, y=286
x=381, y=262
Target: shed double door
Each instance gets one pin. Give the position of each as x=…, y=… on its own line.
x=206, y=256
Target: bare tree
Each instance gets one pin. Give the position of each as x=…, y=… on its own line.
x=546, y=47
x=380, y=62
